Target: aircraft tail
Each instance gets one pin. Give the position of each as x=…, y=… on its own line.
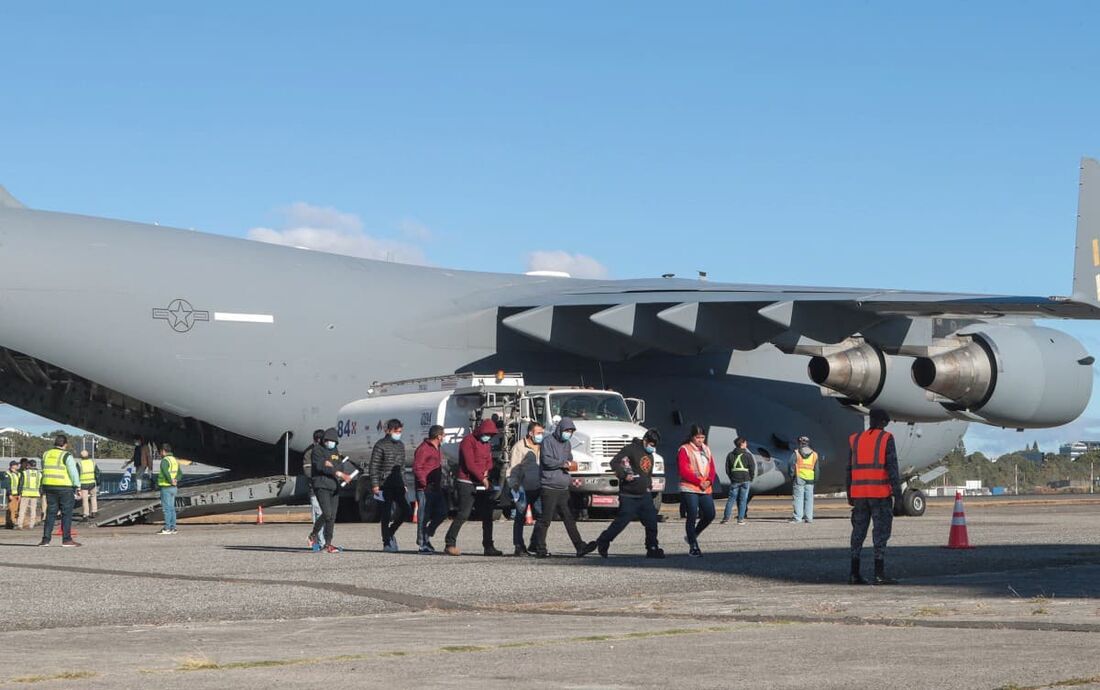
x=7, y=200
x=1086, y=266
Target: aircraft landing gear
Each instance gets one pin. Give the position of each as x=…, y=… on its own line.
x=913, y=503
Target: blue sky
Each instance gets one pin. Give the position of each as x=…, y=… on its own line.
x=760, y=142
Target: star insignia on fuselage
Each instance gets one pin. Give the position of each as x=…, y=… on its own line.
x=180, y=315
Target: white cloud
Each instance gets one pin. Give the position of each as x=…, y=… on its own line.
x=327, y=229
x=576, y=265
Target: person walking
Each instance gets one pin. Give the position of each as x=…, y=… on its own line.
x=307, y=472
x=697, y=477
x=326, y=477
x=60, y=479
x=475, y=461
x=805, y=470
x=168, y=480
x=11, y=488
x=633, y=465
x=525, y=484
x=555, y=464
x=89, y=483
x=430, y=500
x=874, y=484
x=387, y=476
x=741, y=470
x=30, y=491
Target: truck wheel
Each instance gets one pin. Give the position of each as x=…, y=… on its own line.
x=368, y=508
x=913, y=502
x=497, y=514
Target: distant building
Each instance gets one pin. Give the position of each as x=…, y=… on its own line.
x=1076, y=449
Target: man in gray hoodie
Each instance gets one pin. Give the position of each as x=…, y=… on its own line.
x=555, y=464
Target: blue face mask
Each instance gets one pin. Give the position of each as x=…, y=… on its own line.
x=537, y=438
x=566, y=435
x=330, y=444
x=650, y=449
x=484, y=438
x=396, y=437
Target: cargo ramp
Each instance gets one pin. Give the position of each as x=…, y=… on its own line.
x=200, y=499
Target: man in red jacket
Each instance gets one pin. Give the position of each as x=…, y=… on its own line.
x=475, y=461
x=428, y=473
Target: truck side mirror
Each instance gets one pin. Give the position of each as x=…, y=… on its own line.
x=636, y=406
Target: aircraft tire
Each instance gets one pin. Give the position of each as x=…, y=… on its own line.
x=914, y=502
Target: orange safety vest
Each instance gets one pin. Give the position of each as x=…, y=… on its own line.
x=868, y=469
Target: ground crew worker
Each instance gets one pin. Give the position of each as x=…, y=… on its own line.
x=60, y=479
x=168, y=480
x=475, y=491
x=327, y=475
x=30, y=491
x=741, y=470
x=697, y=477
x=873, y=479
x=805, y=469
x=11, y=487
x=428, y=475
x=307, y=472
x=555, y=464
x=387, y=477
x=525, y=484
x=89, y=483
x=633, y=465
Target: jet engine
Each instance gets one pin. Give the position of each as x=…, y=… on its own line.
x=866, y=376
x=1011, y=376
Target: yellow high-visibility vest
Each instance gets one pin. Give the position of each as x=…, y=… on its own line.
x=32, y=484
x=87, y=471
x=54, y=472
x=173, y=472
x=806, y=467
x=13, y=483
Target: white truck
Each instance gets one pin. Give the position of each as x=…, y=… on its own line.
x=605, y=423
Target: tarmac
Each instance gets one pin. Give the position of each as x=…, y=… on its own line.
x=767, y=606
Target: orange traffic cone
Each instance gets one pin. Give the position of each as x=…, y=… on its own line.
x=529, y=519
x=259, y=515
x=958, y=539
x=416, y=512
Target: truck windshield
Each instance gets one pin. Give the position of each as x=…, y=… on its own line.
x=606, y=407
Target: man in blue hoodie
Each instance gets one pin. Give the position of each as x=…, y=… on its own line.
x=555, y=464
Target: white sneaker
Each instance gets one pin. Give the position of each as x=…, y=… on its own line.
x=165, y=531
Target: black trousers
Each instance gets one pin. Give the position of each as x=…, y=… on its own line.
x=328, y=501
x=555, y=502
x=482, y=503
x=63, y=498
x=631, y=508
x=395, y=506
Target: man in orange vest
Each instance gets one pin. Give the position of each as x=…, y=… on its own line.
x=874, y=483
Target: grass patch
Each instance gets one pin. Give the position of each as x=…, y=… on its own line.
x=396, y=653
x=67, y=675
x=1067, y=683
x=460, y=648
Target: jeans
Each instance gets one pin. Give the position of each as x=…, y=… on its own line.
x=432, y=507
x=58, y=497
x=168, y=505
x=700, y=513
x=803, y=493
x=739, y=496
x=395, y=505
x=315, y=513
x=482, y=503
x=328, y=500
x=526, y=498
x=555, y=502
x=630, y=508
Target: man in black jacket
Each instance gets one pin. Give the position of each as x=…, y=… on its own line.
x=307, y=472
x=633, y=465
x=327, y=475
x=387, y=477
x=741, y=469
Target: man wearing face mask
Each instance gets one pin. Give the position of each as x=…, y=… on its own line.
x=475, y=461
x=326, y=486
x=633, y=465
x=555, y=463
x=524, y=481
x=387, y=476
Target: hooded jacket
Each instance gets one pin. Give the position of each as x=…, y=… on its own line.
x=387, y=463
x=805, y=451
x=634, y=459
x=556, y=454
x=737, y=476
x=475, y=459
x=325, y=463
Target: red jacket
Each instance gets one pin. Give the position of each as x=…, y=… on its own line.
x=427, y=467
x=475, y=458
x=689, y=478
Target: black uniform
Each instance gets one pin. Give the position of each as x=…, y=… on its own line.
x=387, y=472
x=635, y=501
x=325, y=486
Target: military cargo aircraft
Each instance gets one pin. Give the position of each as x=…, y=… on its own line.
x=233, y=347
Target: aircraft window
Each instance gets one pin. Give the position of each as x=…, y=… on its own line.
x=594, y=406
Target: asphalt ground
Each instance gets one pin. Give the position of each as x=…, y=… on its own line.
x=767, y=606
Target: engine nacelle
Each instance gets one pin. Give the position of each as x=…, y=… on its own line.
x=867, y=376
x=1011, y=376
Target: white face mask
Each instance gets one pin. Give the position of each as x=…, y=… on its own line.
x=651, y=449
x=330, y=444
x=396, y=436
x=566, y=435
x=484, y=438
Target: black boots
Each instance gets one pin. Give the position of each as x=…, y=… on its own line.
x=880, y=573
x=854, y=578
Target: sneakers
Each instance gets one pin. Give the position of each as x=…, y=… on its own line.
x=165, y=530
x=44, y=542
x=724, y=521
x=452, y=551
x=585, y=549
x=313, y=544
x=542, y=554
x=740, y=522
x=426, y=549
x=390, y=546
x=173, y=531
x=428, y=545
x=601, y=548
x=332, y=549
x=493, y=551
x=695, y=552
x=856, y=579
x=655, y=553
x=794, y=521
x=70, y=542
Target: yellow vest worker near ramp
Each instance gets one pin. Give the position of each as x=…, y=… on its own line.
x=168, y=480
x=805, y=469
x=30, y=492
x=11, y=487
x=89, y=485
x=60, y=479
